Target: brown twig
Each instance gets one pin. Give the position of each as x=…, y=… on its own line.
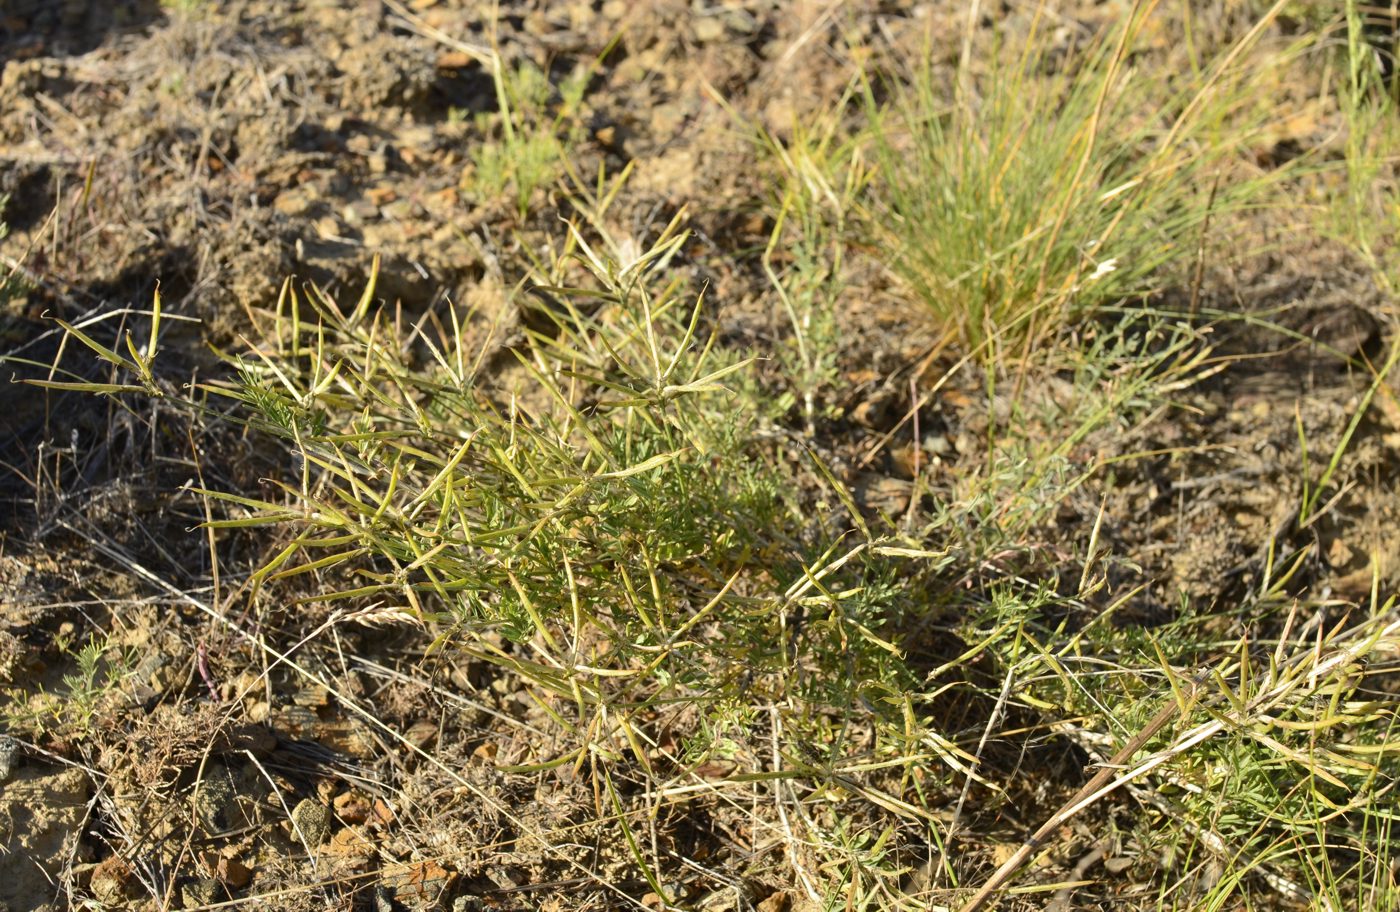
x=1201, y=249
x=201, y=658
x=918, y=451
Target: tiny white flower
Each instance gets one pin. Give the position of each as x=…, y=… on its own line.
x=1104, y=269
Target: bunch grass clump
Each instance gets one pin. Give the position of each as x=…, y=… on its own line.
x=1365, y=210
x=1041, y=192
x=538, y=126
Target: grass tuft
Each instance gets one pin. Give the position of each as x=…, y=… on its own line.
x=1042, y=192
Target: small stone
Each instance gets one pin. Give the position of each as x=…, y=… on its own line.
x=352, y=807
x=418, y=881
x=777, y=902
x=380, y=196
x=708, y=29
x=883, y=494
x=202, y=892
x=315, y=695
x=142, y=697
x=294, y=202
x=328, y=228
x=381, y=236
x=445, y=236
x=234, y=872
x=442, y=17
x=295, y=721
x=453, y=60
x=422, y=734
x=9, y=757
x=347, y=736
x=111, y=880
x=780, y=114
x=214, y=801
x=162, y=680
x=421, y=136
x=311, y=821
x=349, y=847
x=741, y=22
x=400, y=210
x=357, y=213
